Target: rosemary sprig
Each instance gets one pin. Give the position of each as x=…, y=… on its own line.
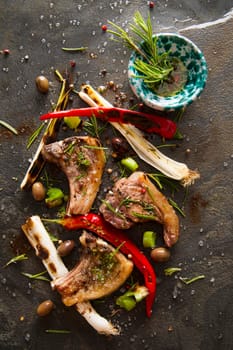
x=92, y=127
x=161, y=180
x=175, y=205
x=37, y=276
x=153, y=67
x=187, y=280
x=57, y=331
x=152, y=74
x=34, y=135
x=125, y=38
x=95, y=147
x=113, y=210
x=75, y=49
x=16, y=258
x=69, y=149
x=145, y=216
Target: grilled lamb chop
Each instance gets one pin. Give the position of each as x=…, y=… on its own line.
x=45, y=249
x=136, y=199
x=102, y=270
x=83, y=161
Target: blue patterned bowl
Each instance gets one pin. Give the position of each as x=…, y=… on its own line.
x=193, y=59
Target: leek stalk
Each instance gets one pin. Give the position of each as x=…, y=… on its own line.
x=144, y=149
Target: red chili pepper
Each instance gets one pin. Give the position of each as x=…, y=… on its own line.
x=117, y=238
x=147, y=122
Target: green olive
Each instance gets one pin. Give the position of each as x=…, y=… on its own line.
x=42, y=84
x=160, y=254
x=45, y=308
x=66, y=247
x=38, y=191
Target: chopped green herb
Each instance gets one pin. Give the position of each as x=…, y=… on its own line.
x=106, y=263
x=16, y=259
x=9, y=127
x=82, y=160
x=80, y=176
x=69, y=149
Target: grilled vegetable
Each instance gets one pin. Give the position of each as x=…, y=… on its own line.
x=49, y=135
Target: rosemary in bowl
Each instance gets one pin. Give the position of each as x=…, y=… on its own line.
x=167, y=71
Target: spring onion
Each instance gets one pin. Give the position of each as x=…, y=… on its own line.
x=149, y=239
x=54, y=197
x=72, y=122
x=130, y=164
x=144, y=149
x=133, y=296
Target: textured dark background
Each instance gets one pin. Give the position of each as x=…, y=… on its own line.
x=198, y=316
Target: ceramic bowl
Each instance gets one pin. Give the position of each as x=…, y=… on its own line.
x=193, y=59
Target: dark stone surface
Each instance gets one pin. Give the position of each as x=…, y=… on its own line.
x=197, y=316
